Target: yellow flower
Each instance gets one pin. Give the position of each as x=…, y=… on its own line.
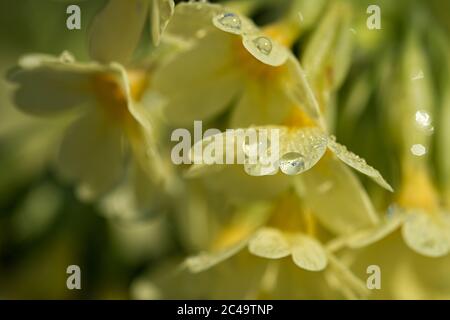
x=117, y=29
x=110, y=123
x=245, y=276
x=318, y=174
x=227, y=59
x=300, y=149
x=285, y=234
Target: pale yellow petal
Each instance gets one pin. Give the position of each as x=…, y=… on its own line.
x=204, y=15
x=368, y=237
x=301, y=149
x=295, y=151
x=205, y=261
x=250, y=188
x=350, y=285
x=191, y=20
x=161, y=12
x=261, y=104
x=116, y=30
x=357, y=163
x=265, y=49
x=328, y=54
x=269, y=243
x=300, y=91
x=198, y=83
x=139, y=196
x=308, y=253
x=92, y=155
x=336, y=197
x=423, y=234
x=48, y=85
x=234, y=23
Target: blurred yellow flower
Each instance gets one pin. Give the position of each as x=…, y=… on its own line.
x=94, y=149
x=227, y=59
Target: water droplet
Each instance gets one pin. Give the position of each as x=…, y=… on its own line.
x=423, y=118
x=390, y=212
x=292, y=163
x=418, y=76
x=418, y=150
x=263, y=44
x=230, y=20
x=66, y=57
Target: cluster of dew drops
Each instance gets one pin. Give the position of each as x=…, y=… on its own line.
x=232, y=22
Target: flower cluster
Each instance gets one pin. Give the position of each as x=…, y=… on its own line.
x=305, y=224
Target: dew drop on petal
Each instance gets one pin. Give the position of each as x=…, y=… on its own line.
x=357, y=162
x=263, y=44
x=230, y=21
x=292, y=163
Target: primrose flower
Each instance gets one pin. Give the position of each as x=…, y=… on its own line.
x=110, y=124
x=117, y=29
x=291, y=242
x=245, y=276
x=227, y=59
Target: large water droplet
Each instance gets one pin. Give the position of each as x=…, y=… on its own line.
x=292, y=163
x=230, y=20
x=418, y=150
x=263, y=44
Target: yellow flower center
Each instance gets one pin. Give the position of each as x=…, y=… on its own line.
x=112, y=99
x=418, y=190
x=287, y=215
x=284, y=32
x=290, y=216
